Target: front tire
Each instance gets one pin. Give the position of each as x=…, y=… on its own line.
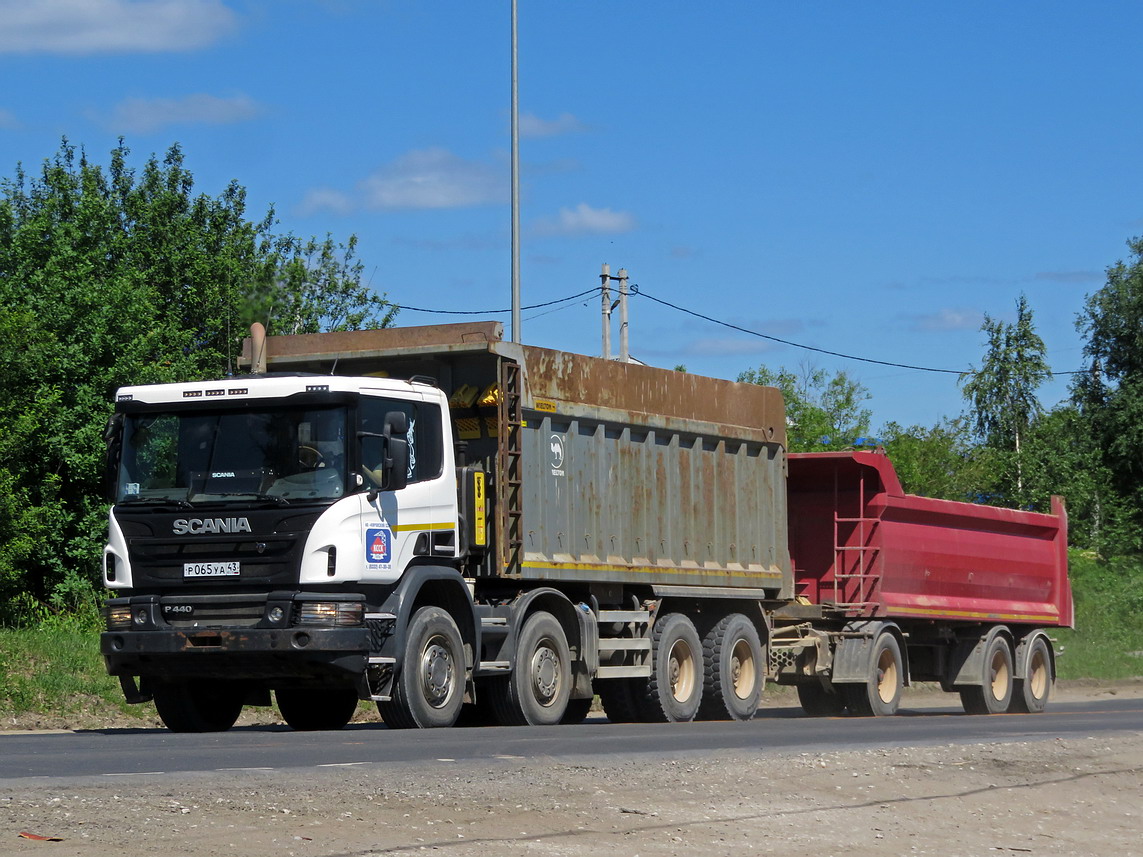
x=734, y=677
x=880, y=695
x=429, y=692
x=198, y=705
x=313, y=710
x=674, y=691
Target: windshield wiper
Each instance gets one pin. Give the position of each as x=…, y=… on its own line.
x=253, y=495
x=178, y=503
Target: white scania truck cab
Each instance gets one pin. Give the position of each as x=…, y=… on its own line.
x=264, y=536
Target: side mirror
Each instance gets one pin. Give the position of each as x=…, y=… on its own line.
x=391, y=472
x=113, y=437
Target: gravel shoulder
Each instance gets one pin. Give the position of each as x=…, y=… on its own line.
x=1065, y=797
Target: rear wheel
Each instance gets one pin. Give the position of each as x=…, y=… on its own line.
x=199, y=705
x=994, y=693
x=818, y=702
x=734, y=677
x=1030, y=694
x=674, y=692
x=311, y=710
x=536, y=694
x=430, y=689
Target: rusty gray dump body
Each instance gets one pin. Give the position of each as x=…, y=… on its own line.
x=602, y=472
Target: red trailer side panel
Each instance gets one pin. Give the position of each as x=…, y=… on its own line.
x=862, y=545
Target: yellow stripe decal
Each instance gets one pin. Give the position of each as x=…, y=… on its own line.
x=654, y=569
x=975, y=614
x=408, y=528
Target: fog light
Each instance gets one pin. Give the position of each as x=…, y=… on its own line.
x=276, y=614
x=331, y=613
x=118, y=617
x=142, y=616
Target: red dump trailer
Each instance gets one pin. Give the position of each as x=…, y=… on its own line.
x=891, y=588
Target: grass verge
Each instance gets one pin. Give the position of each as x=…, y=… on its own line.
x=55, y=670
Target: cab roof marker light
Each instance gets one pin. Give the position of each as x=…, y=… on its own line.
x=215, y=392
x=126, y=397
x=192, y=394
x=317, y=388
x=238, y=391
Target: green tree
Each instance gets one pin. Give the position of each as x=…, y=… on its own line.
x=1002, y=394
x=1109, y=394
x=110, y=277
x=941, y=461
x=823, y=411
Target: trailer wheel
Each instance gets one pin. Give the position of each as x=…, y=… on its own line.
x=674, y=691
x=536, y=694
x=310, y=710
x=880, y=695
x=994, y=693
x=198, y=705
x=430, y=689
x=818, y=702
x=734, y=677
x=1030, y=694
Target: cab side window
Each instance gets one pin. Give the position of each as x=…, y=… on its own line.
x=426, y=453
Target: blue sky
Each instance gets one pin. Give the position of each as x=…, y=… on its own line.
x=864, y=178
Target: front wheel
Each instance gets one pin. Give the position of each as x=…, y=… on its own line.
x=880, y=695
x=198, y=705
x=429, y=692
x=994, y=692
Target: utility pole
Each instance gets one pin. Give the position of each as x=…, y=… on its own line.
x=605, y=291
x=623, y=351
x=515, y=187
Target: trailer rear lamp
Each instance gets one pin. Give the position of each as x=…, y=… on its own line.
x=118, y=618
x=331, y=613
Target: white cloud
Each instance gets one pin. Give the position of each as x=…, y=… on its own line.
x=946, y=319
x=585, y=220
x=725, y=346
x=144, y=115
x=534, y=126
x=111, y=26
x=325, y=199
x=8, y=120
x=434, y=178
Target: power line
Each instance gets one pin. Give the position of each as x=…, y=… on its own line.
x=635, y=290
x=591, y=291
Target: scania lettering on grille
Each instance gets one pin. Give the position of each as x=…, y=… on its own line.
x=204, y=526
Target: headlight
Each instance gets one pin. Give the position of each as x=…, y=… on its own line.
x=118, y=617
x=331, y=613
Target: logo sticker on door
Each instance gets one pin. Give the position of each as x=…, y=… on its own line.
x=378, y=546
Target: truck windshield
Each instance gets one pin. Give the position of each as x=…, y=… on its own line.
x=279, y=454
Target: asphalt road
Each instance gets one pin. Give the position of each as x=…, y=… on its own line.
x=105, y=754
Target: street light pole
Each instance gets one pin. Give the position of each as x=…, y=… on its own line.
x=515, y=188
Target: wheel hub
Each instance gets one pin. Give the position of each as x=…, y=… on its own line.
x=437, y=673
x=545, y=675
